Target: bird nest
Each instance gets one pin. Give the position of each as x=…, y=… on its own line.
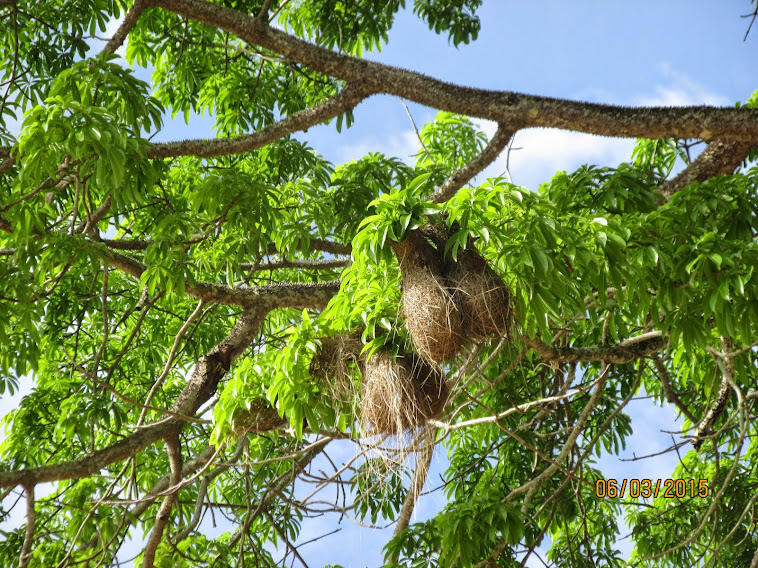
x=400, y=393
x=485, y=301
x=432, y=316
x=333, y=366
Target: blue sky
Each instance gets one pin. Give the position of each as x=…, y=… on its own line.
x=672, y=52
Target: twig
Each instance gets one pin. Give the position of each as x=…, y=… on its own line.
x=460, y=178
x=744, y=39
x=569, y=445
x=291, y=547
x=170, y=360
x=418, y=134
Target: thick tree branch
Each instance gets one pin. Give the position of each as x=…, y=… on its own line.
x=199, y=388
x=726, y=365
x=161, y=519
x=141, y=244
x=31, y=515
x=466, y=173
x=624, y=352
x=297, y=263
x=280, y=295
x=126, y=26
x=515, y=109
x=721, y=157
x=345, y=100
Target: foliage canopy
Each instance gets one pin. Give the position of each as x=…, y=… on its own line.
x=173, y=302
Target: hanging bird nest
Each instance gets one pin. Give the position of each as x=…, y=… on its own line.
x=400, y=393
x=331, y=366
x=431, y=315
x=486, y=302
x=257, y=416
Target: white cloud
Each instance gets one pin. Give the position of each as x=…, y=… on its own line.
x=538, y=153
x=403, y=145
x=679, y=90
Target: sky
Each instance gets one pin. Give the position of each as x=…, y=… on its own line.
x=673, y=52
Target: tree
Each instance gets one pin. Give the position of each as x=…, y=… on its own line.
x=204, y=319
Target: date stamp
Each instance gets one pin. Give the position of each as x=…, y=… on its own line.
x=645, y=488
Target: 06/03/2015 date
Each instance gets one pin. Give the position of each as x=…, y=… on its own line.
x=666, y=488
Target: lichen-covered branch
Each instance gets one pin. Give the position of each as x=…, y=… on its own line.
x=721, y=157
x=507, y=107
x=303, y=264
x=280, y=295
x=345, y=100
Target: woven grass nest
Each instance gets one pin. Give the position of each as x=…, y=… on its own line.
x=485, y=301
x=331, y=366
x=432, y=316
x=401, y=393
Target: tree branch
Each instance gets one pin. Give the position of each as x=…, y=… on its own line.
x=161, y=519
x=31, y=515
x=515, y=109
x=466, y=173
x=624, y=352
x=569, y=445
x=722, y=398
x=668, y=390
x=141, y=244
x=132, y=15
x=199, y=388
x=721, y=157
x=345, y=100
x=297, y=263
x=189, y=468
x=277, y=486
x=280, y=295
